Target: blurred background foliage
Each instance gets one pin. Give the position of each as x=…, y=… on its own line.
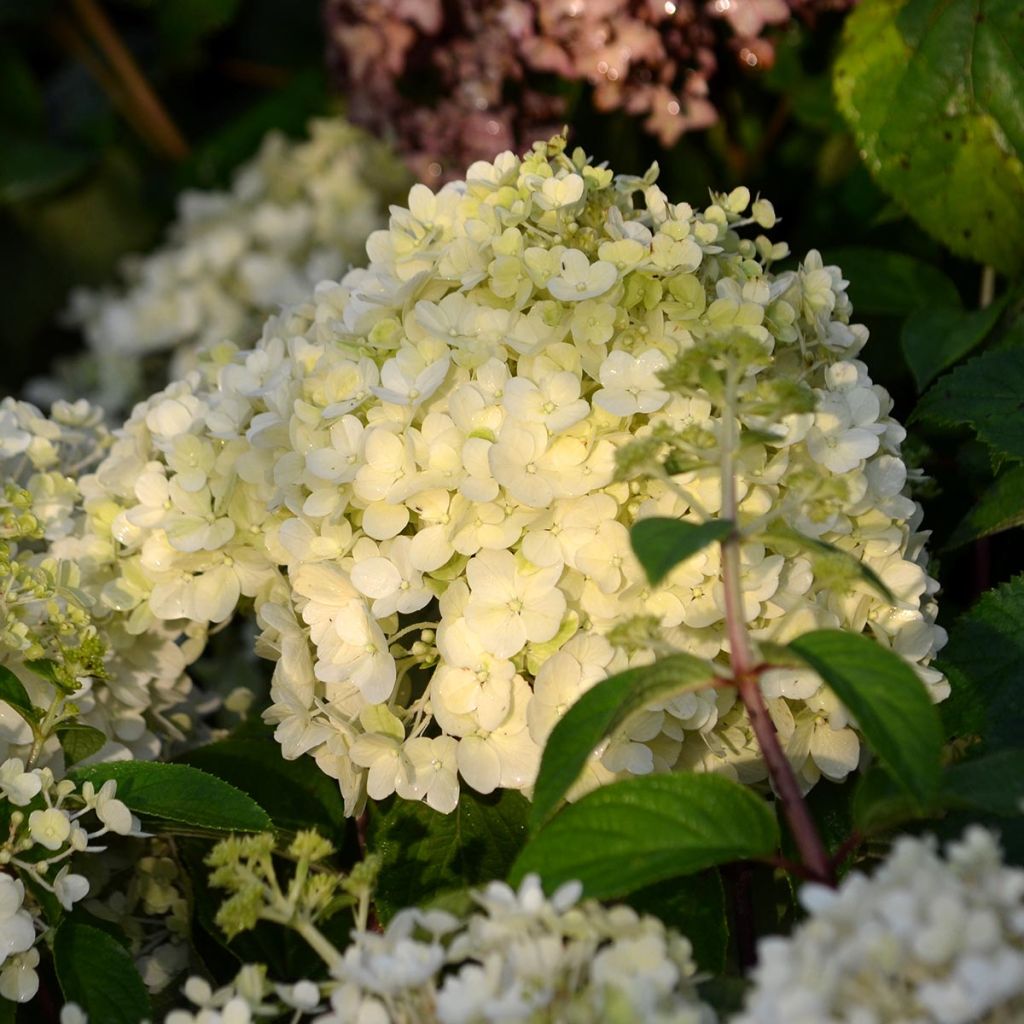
x=109, y=109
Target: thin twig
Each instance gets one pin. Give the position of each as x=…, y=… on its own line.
x=746, y=677
x=161, y=130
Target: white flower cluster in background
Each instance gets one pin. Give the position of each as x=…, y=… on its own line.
x=924, y=939
x=520, y=958
x=412, y=477
x=296, y=214
x=64, y=632
x=45, y=833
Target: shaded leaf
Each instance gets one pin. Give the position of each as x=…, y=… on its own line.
x=984, y=661
x=633, y=833
x=296, y=794
x=31, y=167
x=13, y=691
x=985, y=394
x=892, y=706
x=879, y=804
x=601, y=711
x=96, y=972
x=1000, y=508
x=79, y=741
x=661, y=543
x=426, y=855
x=935, y=337
x=891, y=282
x=179, y=793
x=993, y=784
x=934, y=93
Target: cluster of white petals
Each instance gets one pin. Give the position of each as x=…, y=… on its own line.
x=924, y=940
x=297, y=213
x=45, y=831
x=412, y=479
x=64, y=596
x=520, y=958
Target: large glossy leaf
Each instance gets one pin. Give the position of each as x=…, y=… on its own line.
x=661, y=543
x=934, y=93
x=181, y=794
x=96, y=972
x=634, y=833
x=986, y=394
x=13, y=692
x=426, y=855
x=599, y=712
x=892, y=707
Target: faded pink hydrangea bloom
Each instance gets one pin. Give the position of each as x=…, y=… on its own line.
x=453, y=81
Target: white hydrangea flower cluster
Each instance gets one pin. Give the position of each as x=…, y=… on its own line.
x=925, y=940
x=521, y=958
x=296, y=214
x=120, y=680
x=45, y=832
x=412, y=477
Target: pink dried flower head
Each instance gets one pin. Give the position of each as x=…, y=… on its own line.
x=453, y=81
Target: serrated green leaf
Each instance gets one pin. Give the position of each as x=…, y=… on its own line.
x=781, y=535
x=932, y=90
x=79, y=741
x=601, y=711
x=892, y=706
x=984, y=661
x=98, y=974
x=891, y=283
x=985, y=394
x=296, y=794
x=426, y=855
x=1000, y=508
x=935, y=337
x=993, y=784
x=661, y=543
x=633, y=833
x=179, y=793
x=13, y=691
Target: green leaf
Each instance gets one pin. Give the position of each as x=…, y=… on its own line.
x=13, y=691
x=935, y=337
x=826, y=556
x=661, y=543
x=98, y=974
x=984, y=661
x=47, y=669
x=79, y=741
x=892, y=706
x=183, y=23
x=296, y=794
x=181, y=794
x=986, y=394
x=426, y=854
x=634, y=833
x=934, y=93
x=601, y=711
x=879, y=804
x=1000, y=508
x=993, y=784
x=891, y=283
x=31, y=167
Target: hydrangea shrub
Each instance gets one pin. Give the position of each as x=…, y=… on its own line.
x=412, y=478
